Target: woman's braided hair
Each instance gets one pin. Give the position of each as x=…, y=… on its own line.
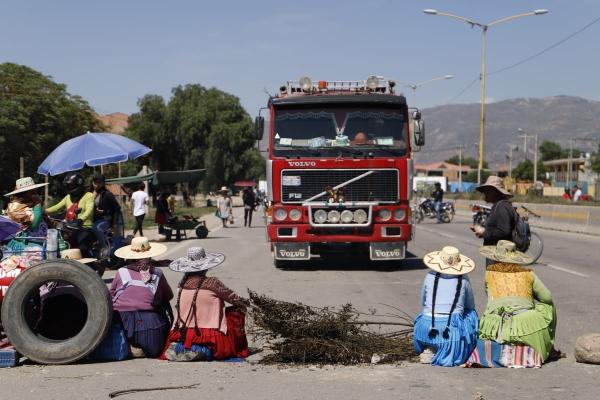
x=433, y=332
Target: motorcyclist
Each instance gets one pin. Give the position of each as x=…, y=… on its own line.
x=79, y=207
x=438, y=197
x=107, y=211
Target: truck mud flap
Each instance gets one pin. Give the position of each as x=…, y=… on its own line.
x=291, y=251
x=381, y=251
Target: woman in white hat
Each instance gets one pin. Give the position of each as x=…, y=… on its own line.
x=447, y=325
x=204, y=329
x=141, y=296
x=224, y=206
x=518, y=326
x=25, y=207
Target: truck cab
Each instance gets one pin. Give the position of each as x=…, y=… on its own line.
x=339, y=170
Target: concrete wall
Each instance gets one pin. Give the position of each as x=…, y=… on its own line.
x=582, y=219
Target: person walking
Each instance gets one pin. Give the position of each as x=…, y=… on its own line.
x=500, y=223
x=139, y=200
x=224, y=206
x=249, y=199
x=438, y=197
x=162, y=215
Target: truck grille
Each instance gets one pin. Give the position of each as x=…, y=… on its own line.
x=298, y=186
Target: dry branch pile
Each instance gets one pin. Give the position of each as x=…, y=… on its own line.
x=297, y=333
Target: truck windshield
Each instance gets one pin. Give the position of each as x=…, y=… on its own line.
x=334, y=130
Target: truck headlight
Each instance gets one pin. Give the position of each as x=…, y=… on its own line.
x=320, y=216
x=384, y=214
x=295, y=214
x=360, y=216
x=280, y=214
x=399, y=214
x=333, y=216
x=347, y=216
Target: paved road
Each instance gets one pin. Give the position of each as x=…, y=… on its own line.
x=571, y=274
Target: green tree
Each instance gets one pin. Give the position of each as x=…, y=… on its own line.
x=470, y=161
x=36, y=115
x=472, y=175
x=199, y=128
x=550, y=150
x=596, y=161
x=524, y=171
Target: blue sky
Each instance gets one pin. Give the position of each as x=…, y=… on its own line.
x=114, y=52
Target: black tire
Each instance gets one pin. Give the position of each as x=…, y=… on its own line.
x=44, y=350
x=201, y=232
x=419, y=216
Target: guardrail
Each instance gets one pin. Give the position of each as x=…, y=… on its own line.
x=581, y=219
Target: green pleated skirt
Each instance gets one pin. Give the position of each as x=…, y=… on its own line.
x=534, y=328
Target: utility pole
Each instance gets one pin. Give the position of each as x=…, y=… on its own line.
x=460, y=147
x=525, y=139
x=535, y=159
x=568, y=183
x=510, y=157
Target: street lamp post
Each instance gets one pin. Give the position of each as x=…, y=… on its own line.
x=415, y=86
x=484, y=29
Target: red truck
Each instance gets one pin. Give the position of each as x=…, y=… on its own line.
x=339, y=169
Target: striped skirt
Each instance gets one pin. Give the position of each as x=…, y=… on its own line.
x=490, y=354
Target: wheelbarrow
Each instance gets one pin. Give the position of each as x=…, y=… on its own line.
x=179, y=226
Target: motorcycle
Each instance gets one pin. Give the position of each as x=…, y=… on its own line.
x=427, y=209
x=480, y=213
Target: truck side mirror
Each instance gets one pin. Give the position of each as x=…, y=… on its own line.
x=259, y=127
x=419, y=132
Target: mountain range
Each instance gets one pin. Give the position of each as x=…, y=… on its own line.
x=556, y=118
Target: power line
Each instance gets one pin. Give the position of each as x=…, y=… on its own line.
x=523, y=61
x=527, y=59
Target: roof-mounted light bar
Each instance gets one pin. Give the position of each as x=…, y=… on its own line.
x=373, y=83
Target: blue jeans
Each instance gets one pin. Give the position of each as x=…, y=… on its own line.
x=437, y=206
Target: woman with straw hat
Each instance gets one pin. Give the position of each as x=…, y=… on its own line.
x=25, y=207
x=204, y=329
x=518, y=326
x=447, y=325
x=141, y=296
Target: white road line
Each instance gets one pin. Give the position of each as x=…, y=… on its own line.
x=556, y=267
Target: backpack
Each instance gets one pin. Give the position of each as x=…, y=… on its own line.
x=521, y=235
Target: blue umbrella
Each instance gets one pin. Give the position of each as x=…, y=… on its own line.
x=92, y=149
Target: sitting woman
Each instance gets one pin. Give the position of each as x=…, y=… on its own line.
x=141, y=296
x=447, y=326
x=204, y=329
x=25, y=207
x=517, y=327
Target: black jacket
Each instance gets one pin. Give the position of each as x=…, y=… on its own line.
x=106, y=202
x=437, y=194
x=500, y=223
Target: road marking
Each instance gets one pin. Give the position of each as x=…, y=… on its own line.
x=556, y=267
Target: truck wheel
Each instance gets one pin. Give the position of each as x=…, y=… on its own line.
x=24, y=293
x=201, y=232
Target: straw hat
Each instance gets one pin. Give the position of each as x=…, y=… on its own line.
x=224, y=189
x=139, y=248
x=449, y=261
x=24, y=185
x=506, y=251
x=75, y=254
x=197, y=260
x=494, y=182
